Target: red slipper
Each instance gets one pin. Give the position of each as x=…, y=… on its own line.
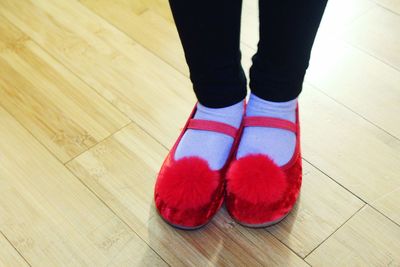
x=259, y=193
x=187, y=192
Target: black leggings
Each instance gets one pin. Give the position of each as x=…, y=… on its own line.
x=210, y=34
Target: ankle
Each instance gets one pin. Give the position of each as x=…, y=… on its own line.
x=231, y=115
x=282, y=110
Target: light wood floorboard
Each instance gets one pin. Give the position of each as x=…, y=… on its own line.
x=93, y=93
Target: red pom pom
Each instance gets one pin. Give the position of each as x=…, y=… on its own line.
x=256, y=179
x=188, y=183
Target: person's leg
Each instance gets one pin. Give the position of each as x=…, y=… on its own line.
x=287, y=32
x=261, y=188
x=210, y=36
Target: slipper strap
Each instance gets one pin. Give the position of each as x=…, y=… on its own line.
x=262, y=121
x=213, y=126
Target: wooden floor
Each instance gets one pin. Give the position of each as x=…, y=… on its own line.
x=94, y=92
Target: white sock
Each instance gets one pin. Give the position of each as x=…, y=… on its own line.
x=214, y=147
x=277, y=144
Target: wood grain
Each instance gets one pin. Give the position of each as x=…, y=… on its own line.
x=59, y=109
x=122, y=171
x=355, y=153
x=8, y=255
x=388, y=204
x=368, y=239
x=359, y=81
x=93, y=93
x=119, y=69
x=162, y=39
x=322, y=208
x=50, y=217
x=377, y=32
x=392, y=5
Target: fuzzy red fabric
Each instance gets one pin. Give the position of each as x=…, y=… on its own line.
x=274, y=199
x=187, y=192
x=187, y=184
x=257, y=179
x=259, y=192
